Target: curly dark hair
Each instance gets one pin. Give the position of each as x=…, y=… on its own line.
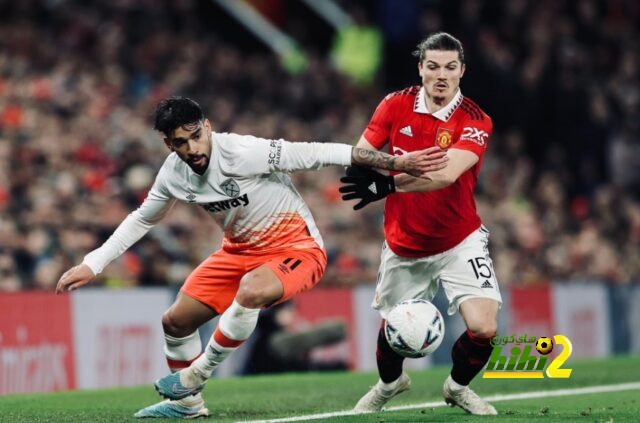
x=439, y=41
x=174, y=112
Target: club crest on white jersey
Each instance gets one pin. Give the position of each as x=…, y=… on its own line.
x=230, y=187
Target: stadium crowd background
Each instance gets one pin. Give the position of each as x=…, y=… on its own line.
x=79, y=82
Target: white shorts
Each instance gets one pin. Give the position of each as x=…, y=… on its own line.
x=465, y=271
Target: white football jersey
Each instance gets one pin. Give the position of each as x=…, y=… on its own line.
x=245, y=189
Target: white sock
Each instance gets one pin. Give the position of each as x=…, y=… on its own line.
x=181, y=352
x=236, y=324
x=389, y=386
x=191, y=401
x=454, y=385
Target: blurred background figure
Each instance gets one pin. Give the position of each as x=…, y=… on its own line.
x=282, y=344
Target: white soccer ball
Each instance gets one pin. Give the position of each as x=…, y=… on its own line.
x=414, y=328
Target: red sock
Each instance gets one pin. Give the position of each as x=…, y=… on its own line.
x=389, y=362
x=470, y=353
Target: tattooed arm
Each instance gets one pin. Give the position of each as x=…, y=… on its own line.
x=416, y=163
x=426, y=165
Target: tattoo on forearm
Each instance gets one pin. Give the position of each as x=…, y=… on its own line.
x=373, y=158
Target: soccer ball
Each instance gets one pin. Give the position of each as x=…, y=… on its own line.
x=544, y=345
x=414, y=328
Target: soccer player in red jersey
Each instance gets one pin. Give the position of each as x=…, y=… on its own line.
x=433, y=234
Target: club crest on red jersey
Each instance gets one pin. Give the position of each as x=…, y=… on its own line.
x=444, y=138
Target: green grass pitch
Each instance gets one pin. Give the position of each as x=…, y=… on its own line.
x=268, y=397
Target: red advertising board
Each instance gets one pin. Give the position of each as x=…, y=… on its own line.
x=532, y=311
x=36, y=349
x=124, y=355
x=322, y=304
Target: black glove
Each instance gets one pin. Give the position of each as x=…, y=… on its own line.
x=366, y=184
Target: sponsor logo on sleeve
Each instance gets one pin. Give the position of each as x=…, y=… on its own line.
x=474, y=135
x=275, y=152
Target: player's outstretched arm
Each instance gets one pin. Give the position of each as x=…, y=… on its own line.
x=367, y=185
x=131, y=229
x=459, y=162
x=74, y=278
x=417, y=163
x=246, y=156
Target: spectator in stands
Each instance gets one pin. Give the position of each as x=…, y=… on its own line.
x=74, y=139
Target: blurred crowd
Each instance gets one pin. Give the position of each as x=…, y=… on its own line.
x=79, y=82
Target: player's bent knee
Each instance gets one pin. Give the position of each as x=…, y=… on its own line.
x=484, y=329
x=256, y=295
x=251, y=297
x=178, y=327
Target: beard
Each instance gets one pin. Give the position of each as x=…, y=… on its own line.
x=199, y=168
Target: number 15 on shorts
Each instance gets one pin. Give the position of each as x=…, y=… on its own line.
x=483, y=271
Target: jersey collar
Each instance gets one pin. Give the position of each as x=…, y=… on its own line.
x=443, y=114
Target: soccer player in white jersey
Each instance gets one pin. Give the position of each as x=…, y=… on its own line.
x=272, y=249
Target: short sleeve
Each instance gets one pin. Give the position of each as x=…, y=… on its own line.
x=475, y=135
x=379, y=128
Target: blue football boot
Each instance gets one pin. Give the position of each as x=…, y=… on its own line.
x=170, y=387
x=188, y=408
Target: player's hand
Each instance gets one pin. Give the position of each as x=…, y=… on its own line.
x=419, y=163
x=365, y=184
x=74, y=278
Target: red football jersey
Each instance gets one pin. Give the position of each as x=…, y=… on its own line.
x=419, y=224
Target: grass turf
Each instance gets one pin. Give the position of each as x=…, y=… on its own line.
x=606, y=407
x=265, y=397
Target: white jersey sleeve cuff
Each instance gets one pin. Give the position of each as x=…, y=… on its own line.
x=93, y=263
x=341, y=154
x=312, y=155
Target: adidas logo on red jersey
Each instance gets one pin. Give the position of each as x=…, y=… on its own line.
x=407, y=131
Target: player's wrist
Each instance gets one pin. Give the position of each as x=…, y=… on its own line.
x=390, y=182
x=92, y=265
x=403, y=182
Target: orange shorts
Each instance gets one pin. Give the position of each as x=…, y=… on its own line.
x=216, y=280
